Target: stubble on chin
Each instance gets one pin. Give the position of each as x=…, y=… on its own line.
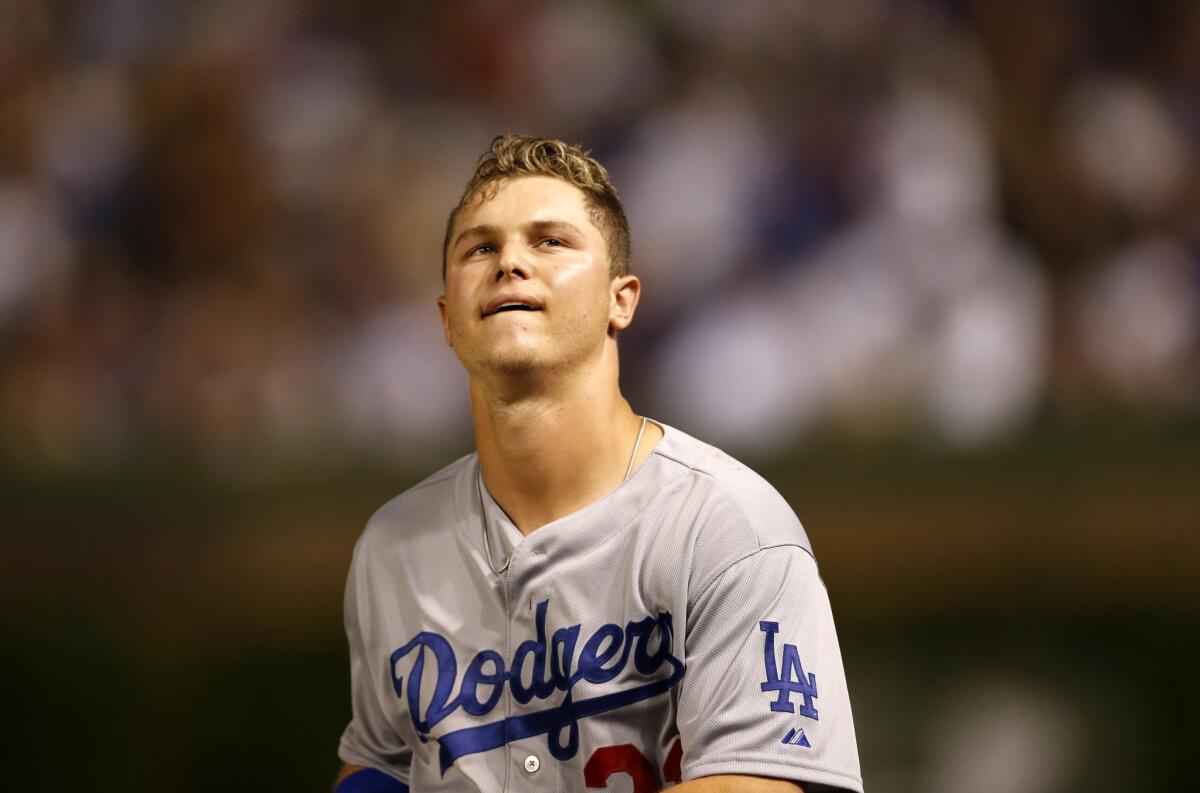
x=494, y=359
x=536, y=353
x=510, y=362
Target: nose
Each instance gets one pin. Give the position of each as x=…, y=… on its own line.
x=512, y=263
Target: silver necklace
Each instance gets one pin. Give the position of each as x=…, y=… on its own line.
x=487, y=547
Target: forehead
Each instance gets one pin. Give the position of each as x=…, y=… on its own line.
x=527, y=199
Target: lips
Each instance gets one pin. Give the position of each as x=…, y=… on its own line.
x=510, y=302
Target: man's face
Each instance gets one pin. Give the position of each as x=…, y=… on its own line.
x=527, y=280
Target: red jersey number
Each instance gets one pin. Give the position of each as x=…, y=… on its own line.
x=627, y=758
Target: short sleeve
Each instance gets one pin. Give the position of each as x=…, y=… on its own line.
x=369, y=739
x=765, y=693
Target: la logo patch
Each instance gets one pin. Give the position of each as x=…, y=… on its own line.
x=787, y=678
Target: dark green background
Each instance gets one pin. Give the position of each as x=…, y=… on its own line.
x=163, y=630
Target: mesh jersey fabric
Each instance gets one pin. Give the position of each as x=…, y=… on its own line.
x=675, y=628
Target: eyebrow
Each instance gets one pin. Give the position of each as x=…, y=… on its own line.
x=542, y=226
x=554, y=225
x=474, y=231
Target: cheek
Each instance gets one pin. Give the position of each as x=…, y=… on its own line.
x=456, y=328
x=457, y=305
x=592, y=317
x=586, y=287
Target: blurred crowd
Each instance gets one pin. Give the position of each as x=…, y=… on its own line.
x=220, y=222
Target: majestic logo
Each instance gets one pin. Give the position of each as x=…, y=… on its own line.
x=793, y=679
x=796, y=738
x=549, y=668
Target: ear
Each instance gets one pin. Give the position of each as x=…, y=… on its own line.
x=625, y=290
x=441, y=302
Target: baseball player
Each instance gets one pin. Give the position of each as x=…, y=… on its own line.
x=592, y=600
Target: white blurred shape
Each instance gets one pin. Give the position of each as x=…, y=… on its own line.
x=990, y=358
x=921, y=308
x=35, y=252
x=853, y=312
x=732, y=376
x=689, y=186
x=1139, y=319
x=1128, y=144
x=973, y=344
x=396, y=381
x=1001, y=735
x=933, y=162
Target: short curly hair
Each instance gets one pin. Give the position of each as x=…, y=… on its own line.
x=512, y=156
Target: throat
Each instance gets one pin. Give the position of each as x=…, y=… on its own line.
x=542, y=477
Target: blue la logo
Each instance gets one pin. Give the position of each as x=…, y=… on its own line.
x=792, y=680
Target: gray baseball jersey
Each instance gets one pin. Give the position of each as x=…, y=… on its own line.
x=674, y=629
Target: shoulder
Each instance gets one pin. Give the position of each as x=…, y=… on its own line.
x=425, y=508
x=735, y=511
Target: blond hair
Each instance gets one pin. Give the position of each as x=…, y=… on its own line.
x=512, y=156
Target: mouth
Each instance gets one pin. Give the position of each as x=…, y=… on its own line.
x=504, y=304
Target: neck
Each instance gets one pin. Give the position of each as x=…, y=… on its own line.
x=549, y=451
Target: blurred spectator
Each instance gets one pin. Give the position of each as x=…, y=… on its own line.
x=35, y=250
x=220, y=225
x=923, y=301
x=996, y=733
x=1138, y=323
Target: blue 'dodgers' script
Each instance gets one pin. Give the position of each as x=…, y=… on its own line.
x=549, y=668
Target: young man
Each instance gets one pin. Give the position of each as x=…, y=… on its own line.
x=592, y=600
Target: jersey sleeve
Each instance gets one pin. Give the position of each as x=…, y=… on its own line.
x=765, y=693
x=369, y=739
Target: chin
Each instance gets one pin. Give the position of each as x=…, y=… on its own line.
x=521, y=357
x=510, y=360
x=515, y=363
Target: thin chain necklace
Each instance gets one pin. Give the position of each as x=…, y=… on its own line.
x=487, y=548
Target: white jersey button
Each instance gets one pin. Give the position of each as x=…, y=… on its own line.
x=532, y=764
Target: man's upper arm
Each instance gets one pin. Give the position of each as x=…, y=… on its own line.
x=765, y=693
x=369, y=740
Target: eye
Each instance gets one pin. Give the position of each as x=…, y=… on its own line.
x=553, y=242
x=486, y=247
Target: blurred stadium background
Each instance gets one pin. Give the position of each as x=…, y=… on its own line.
x=931, y=266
